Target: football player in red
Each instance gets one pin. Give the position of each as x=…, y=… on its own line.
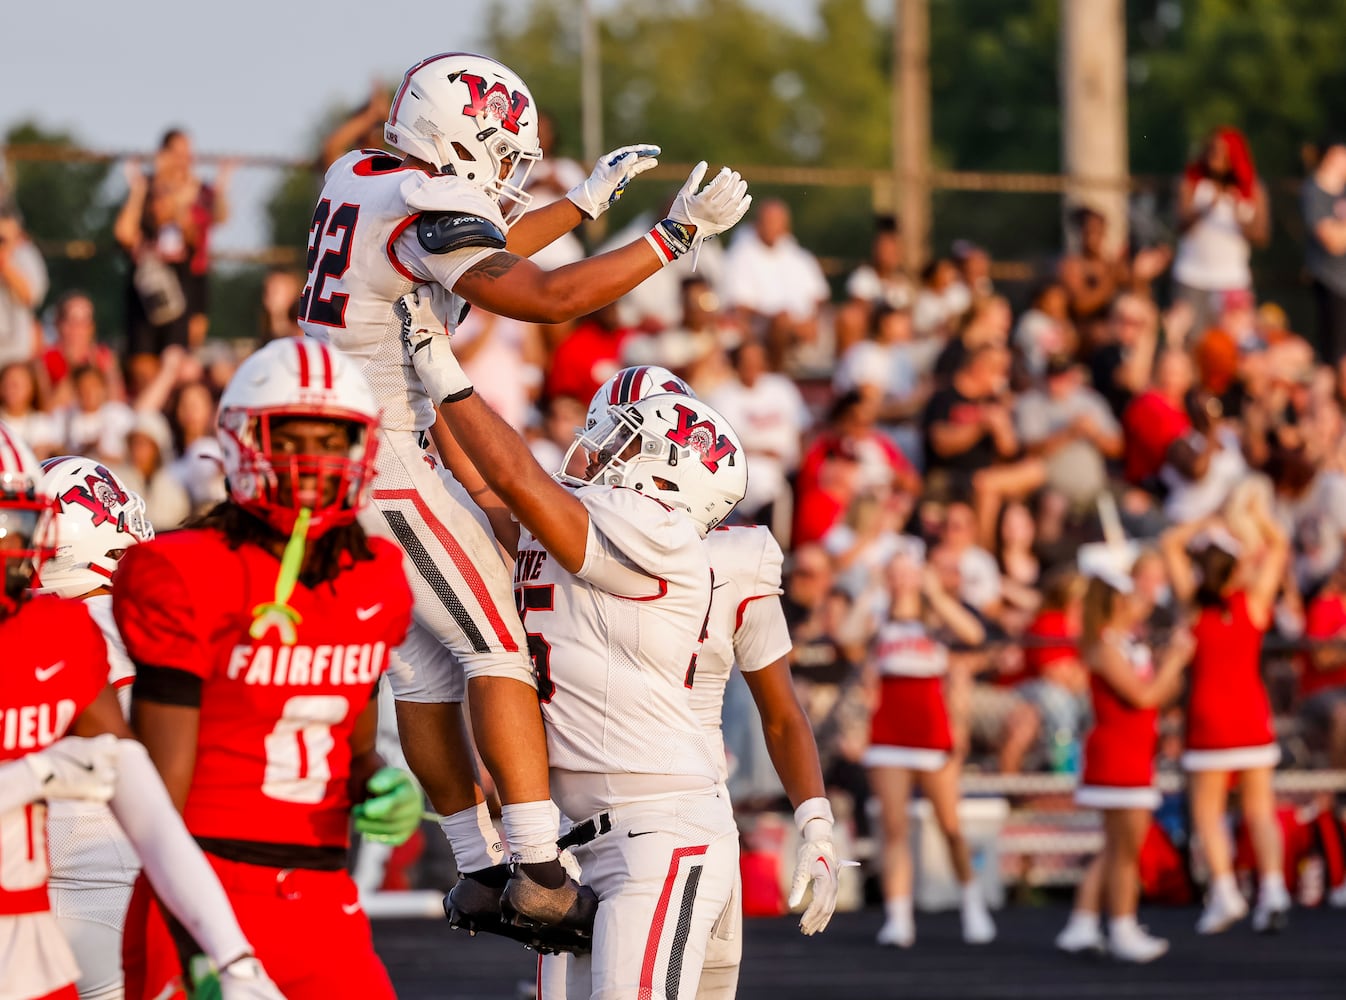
x=259, y=635
x=56, y=682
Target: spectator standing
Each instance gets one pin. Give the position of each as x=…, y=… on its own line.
x=777, y=286
x=1093, y=275
x=1121, y=352
x=1072, y=429
x=361, y=129
x=23, y=286
x=1323, y=203
x=279, y=317
x=911, y=740
x=1222, y=214
x=76, y=346
x=768, y=412
x=1322, y=677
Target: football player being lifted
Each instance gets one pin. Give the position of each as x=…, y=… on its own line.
x=452, y=213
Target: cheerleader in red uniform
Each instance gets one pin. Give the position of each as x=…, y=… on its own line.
x=1234, y=583
x=910, y=737
x=1118, y=779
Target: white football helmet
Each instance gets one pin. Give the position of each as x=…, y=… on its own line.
x=630, y=385
x=27, y=528
x=302, y=378
x=471, y=117
x=687, y=456
x=97, y=518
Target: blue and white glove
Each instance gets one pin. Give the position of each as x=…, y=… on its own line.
x=429, y=348
x=698, y=215
x=612, y=173
x=816, y=865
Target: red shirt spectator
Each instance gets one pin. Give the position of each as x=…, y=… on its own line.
x=76, y=346
x=1325, y=619
x=588, y=357
x=1156, y=418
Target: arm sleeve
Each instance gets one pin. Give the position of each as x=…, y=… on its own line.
x=157, y=615
x=175, y=866
x=636, y=544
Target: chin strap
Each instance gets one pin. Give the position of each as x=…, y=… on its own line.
x=278, y=613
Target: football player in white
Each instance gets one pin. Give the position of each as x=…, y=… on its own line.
x=93, y=865
x=452, y=213
x=614, y=587
x=746, y=626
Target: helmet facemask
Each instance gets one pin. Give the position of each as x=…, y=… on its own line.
x=27, y=540
x=276, y=485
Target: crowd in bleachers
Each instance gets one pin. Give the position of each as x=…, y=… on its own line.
x=1127, y=394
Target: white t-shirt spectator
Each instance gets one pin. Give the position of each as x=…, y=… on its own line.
x=980, y=578
x=38, y=430
x=936, y=312
x=656, y=302
x=100, y=433
x=1189, y=500
x=1316, y=523
x=867, y=285
x=781, y=278
x=498, y=370
x=893, y=368
x=16, y=319
x=770, y=417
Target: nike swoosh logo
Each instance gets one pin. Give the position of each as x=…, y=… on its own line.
x=719, y=585
x=364, y=614
x=46, y=673
x=643, y=833
x=825, y=864
x=350, y=909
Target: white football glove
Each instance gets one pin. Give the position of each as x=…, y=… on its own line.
x=429, y=348
x=816, y=864
x=242, y=979
x=612, y=173
x=77, y=768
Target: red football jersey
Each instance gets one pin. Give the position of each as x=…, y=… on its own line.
x=55, y=663
x=273, y=749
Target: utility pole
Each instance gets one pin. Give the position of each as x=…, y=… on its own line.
x=911, y=126
x=591, y=76
x=1093, y=128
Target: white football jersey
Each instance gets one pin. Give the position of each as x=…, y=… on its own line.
x=87, y=847
x=747, y=625
x=364, y=254
x=614, y=646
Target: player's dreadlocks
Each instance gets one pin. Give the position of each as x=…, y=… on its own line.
x=326, y=556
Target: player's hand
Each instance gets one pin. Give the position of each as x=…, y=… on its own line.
x=716, y=207
x=393, y=811
x=77, y=768
x=428, y=346
x=816, y=864
x=612, y=173
x=242, y=979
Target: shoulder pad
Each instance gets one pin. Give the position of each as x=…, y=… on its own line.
x=444, y=232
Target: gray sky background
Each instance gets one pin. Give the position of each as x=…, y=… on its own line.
x=242, y=76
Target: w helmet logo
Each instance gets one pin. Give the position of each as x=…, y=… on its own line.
x=99, y=495
x=701, y=437
x=495, y=101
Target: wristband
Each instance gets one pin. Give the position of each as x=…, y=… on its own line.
x=670, y=239
x=811, y=810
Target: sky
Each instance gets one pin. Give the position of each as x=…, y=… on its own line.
x=242, y=76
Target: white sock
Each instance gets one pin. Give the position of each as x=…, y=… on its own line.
x=473, y=837
x=971, y=893
x=1224, y=888
x=1124, y=926
x=531, y=829
x=1272, y=888
x=898, y=908
x=1084, y=919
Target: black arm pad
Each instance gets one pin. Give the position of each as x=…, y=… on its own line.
x=444, y=232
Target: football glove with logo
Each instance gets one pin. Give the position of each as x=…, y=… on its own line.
x=428, y=346
x=698, y=215
x=393, y=811
x=77, y=768
x=611, y=174
x=815, y=864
